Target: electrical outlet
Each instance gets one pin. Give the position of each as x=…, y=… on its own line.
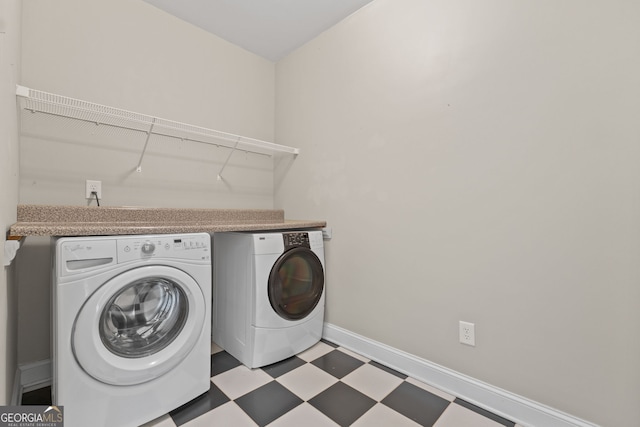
x=468, y=333
x=93, y=186
x=326, y=233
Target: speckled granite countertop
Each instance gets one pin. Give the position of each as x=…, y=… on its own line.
x=48, y=220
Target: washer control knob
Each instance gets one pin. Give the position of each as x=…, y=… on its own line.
x=148, y=248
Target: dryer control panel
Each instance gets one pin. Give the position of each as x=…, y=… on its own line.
x=292, y=240
x=307, y=239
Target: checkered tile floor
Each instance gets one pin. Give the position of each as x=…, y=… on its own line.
x=323, y=386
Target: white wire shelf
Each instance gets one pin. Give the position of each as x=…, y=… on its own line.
x=37, y=101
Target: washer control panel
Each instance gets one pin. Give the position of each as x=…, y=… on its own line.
x=182, y=246
x=148, y=247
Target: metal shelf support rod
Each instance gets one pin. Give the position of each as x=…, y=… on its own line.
x=227, y=161
x=144, y=149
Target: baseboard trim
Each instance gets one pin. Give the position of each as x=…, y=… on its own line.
x=30, y=376
x=524, y=411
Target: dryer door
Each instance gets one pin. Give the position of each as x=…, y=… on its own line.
x=138, y=325
x=296, y=283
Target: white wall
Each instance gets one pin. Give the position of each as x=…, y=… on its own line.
x=9, y=70
x=130, y=55
x=478, y=161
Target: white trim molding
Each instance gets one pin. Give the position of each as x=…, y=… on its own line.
x=511, y=406
x=29, y=377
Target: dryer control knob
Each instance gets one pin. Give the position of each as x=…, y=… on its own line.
x=148, y=248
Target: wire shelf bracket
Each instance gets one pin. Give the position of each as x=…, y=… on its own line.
x=57, y=105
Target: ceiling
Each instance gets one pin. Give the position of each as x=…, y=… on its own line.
x=269, y=28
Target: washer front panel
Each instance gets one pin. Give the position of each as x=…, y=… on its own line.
x=138, y=325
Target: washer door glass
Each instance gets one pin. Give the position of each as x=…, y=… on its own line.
x=296, y=283
x=139, y=325
x=143, y=317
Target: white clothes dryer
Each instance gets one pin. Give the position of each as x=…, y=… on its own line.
x=269, y=294
x=131, y=326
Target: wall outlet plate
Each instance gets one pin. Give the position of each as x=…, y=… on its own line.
x=327, y=233
x=467, y=332
x=93, y=186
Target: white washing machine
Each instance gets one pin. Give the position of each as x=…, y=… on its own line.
x=131, y=326
x=268, y=294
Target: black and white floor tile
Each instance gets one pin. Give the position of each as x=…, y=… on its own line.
x=325, y=386
x=321, y=387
